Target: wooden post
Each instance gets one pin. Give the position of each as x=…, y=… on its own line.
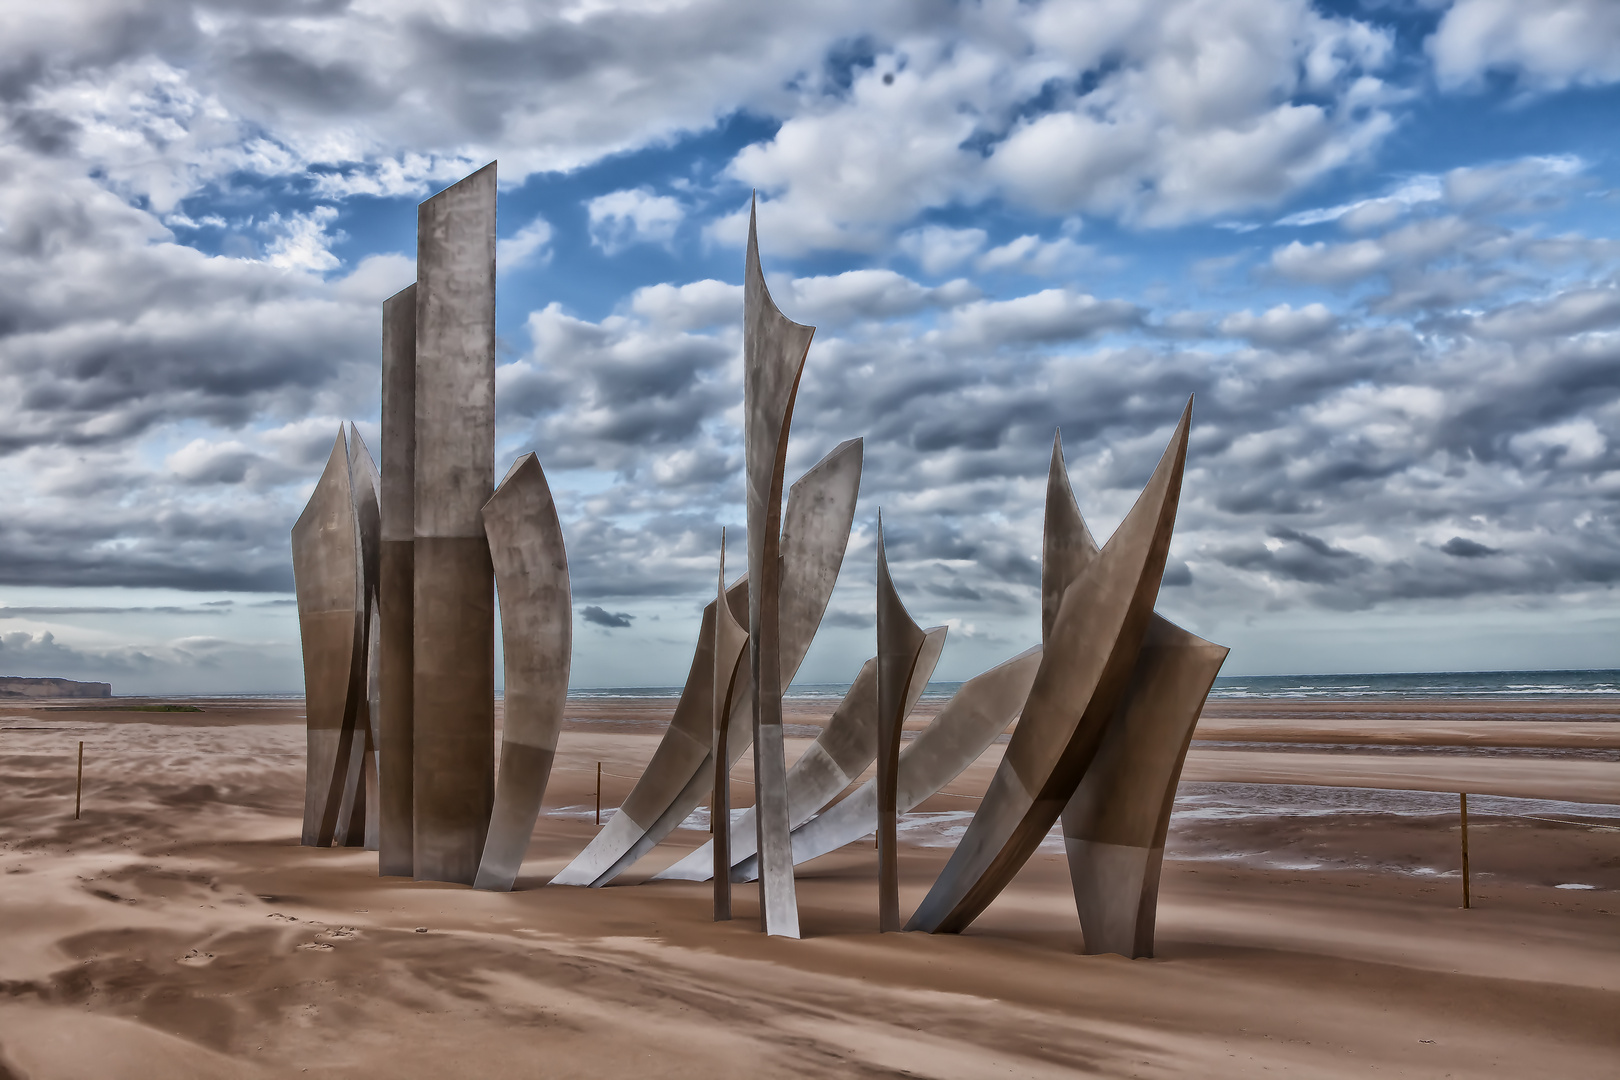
x=1462, y=798
x=78, y=785
x=599, y=793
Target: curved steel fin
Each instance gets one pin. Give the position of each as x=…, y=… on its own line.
x=979, y=711
x=729, y=641
x=1115, y=824
x=328, y=583
x=1084, y=674
x=537, y=628
x=820, y=510
x=846, y=746
x=900, y=641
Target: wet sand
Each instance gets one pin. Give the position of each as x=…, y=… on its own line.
x=1305, y=926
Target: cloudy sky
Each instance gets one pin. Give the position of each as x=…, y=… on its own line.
x=1377, y=241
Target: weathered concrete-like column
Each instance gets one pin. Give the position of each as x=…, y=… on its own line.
x=327, y=579
x=774, y=351
x=900, y=641
x=396, y=570
x=1085, y=671
x=537, y=633
x=453, y=669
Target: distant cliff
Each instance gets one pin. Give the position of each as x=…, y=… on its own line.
x=17, y=686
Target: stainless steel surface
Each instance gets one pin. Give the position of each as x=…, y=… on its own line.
x=774, y=350
x=1084, y=673
x=676, y=765
x=900, y=641
x=364, y=486
x=327, y=582
x=980, y=710
x=729, y=641
x=820, y=510
x=537, y=632
x=846, y=745
x=1115, y=825
x=453, y=734
x=396, y=569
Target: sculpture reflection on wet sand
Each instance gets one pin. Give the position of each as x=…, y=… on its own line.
x=396, y=572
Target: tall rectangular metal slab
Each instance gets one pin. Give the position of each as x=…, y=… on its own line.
x=453, y=658
x=395, y=573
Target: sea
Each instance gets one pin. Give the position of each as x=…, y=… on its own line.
x=1579, y=684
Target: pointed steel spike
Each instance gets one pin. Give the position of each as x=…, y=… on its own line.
x=1067, y=546
x=900, y=640
x=1084, y=673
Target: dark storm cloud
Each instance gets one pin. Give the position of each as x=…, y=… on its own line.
x=612, y=620
x=1464, y=548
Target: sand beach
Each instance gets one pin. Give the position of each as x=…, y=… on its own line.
x=1310, y=921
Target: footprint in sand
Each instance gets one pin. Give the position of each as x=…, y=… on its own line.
x=315, y=946
x=197, y=958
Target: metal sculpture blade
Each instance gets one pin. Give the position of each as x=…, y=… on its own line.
x=729, y=640
x=1115, y=825
x=979, y=711
x=820, y=510
x=396, y=568
x=327, y=579
x=846, y=746
x=453, y=603
x=357, y=818
x=1085, y=671
x=899, y=640
x=774, y=351
x=537, y=628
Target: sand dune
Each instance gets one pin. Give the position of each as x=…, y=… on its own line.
x=178, y=930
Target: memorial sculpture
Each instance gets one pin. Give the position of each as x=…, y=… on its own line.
x=335, y=585
x=846, y=745
x=396, y=573
x=820, y=510
x=1114, y=826
x=396, y=585
x=453, y=602
x=900, y=643
x=537, y=640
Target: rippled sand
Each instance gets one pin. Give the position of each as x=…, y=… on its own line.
x=1308, y=923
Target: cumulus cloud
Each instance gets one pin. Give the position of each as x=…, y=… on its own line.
x=529, y=245
x=937, y=249
x=637, y=216
x=1546, y=45
x=608, y=619
x=1159, y=113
